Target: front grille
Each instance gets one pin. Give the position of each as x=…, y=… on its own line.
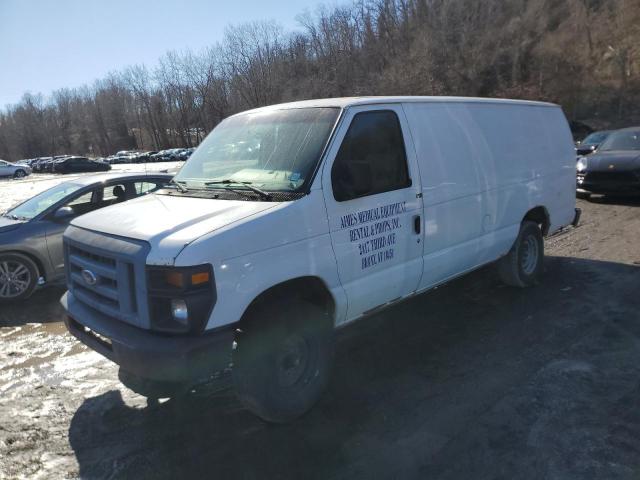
x=107, y=274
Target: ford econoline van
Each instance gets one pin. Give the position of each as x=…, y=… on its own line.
x=292, y=220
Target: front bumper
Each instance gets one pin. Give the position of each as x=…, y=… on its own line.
x=613, y=183
x=151, y=356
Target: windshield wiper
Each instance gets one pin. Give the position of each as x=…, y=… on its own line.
x=179, y=185
x=228, y=181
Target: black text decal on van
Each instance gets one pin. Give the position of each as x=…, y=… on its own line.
x=374, y=230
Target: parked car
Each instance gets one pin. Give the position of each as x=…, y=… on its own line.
x=79, y=164
x=184, y=154
x=614, y=168
x=348, y=206
x=140, y=157
x=118, y=159
x=31, y=232
x=14, y=170
x=38, y=164
x=47, y=164
x=590, y=144
x=161, y=156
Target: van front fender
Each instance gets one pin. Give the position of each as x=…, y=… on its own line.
x=240, y=280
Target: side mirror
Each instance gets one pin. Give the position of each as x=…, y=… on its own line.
x=63, y=213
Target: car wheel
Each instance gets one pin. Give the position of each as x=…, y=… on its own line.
x=282, y=359
x=522, y=266
x=19, y=174
x=18, y=277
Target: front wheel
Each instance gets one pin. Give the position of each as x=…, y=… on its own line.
x=18, y=277
x=282, y=359
x=522, y=266
x=19, y=174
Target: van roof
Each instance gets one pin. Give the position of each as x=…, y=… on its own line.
x=344, y=102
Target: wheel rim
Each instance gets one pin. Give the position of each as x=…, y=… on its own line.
x=292, y=360
x=15, y=279
x=19, y=174
x=529, y=258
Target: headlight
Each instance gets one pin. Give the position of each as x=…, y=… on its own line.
x=180, y=298
x=581, y=166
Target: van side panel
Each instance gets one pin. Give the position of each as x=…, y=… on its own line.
x=528, y=162
x=483, y=167
x=451, y=175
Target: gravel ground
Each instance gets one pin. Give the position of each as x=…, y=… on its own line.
x=471, y=381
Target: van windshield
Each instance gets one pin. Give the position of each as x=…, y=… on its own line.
x=274, y=151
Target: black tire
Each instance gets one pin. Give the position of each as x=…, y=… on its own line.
x=282, y=359
x=19, y=174
x=16, y=269
x=522, y=266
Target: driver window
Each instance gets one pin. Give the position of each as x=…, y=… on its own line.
x=372, y=157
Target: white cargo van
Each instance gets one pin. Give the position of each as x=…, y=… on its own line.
x=291, y=220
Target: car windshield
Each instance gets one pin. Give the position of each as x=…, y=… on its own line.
x=622, y=140
x=275, y=150
x=595, y=138
x=38, y=204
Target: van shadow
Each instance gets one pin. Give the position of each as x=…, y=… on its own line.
x=42, y=307
x=407, y=383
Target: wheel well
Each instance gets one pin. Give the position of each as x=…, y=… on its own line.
x=541, y=217
x=33, y=258
x=311, y=289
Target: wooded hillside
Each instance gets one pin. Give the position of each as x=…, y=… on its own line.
x=583, y=54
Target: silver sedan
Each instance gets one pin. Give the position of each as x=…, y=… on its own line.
x=31, y=251
x=14, y=170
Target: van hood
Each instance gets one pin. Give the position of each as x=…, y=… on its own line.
x=173, y=221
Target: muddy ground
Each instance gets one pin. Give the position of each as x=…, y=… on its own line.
x=471, y=381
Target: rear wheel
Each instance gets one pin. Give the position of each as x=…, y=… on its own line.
x=522, y=266
x=282, y=359
x=18, y=277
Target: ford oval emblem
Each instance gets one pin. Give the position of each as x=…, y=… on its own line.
x=89, y=277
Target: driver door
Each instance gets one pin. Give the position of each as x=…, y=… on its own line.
x=373, y=198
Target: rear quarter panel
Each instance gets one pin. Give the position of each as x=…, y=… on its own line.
x=484, y=165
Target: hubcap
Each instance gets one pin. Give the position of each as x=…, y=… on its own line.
x=14, y=279
x=293, y=359
x=529, y=259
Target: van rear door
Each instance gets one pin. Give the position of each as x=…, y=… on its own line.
x=372, y=193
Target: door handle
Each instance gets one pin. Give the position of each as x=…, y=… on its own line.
x=417, y=224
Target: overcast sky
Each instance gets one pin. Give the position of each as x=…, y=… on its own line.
x=49, y=44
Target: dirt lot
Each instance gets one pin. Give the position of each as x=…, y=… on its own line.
x=471, y=381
